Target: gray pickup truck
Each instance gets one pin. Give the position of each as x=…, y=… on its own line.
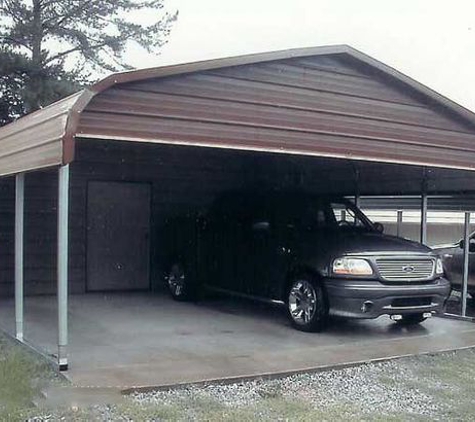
x=316, y=255
x=452, y=258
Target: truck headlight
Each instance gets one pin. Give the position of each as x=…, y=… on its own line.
x=352, y=266
x=439, y=267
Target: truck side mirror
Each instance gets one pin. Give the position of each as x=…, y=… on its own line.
x=378, y=227
x=471, y=245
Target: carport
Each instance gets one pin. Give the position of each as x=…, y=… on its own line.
x=88, y=182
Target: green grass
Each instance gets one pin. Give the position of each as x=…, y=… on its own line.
x=450, y=378
x=268, y=409
x=22, y=375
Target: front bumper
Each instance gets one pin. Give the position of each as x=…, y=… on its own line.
x=370, y=298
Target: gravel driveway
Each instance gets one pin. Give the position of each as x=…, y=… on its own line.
x=382, y=389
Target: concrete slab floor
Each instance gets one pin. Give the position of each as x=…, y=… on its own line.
x=144, y=339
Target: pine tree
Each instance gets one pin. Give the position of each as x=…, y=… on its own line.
x=49, y=48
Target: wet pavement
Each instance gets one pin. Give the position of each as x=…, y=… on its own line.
x=142, y=340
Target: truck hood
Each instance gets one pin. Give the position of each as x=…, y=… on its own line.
x=446, y=246
x=369, y=242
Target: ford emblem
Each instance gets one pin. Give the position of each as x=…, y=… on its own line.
x=408, y=269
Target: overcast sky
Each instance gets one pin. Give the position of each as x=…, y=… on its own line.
x=432, y=41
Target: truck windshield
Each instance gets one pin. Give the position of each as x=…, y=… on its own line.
x=348, y=216
x=331, y=215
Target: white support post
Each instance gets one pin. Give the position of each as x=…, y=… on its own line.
x=399, y=223
x=63, y=245
x=19, y=250
x=466, y=249
x=357, y=188
x=423, y=237
x=424, y=218
x=343, y=215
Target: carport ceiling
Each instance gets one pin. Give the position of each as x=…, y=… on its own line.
x=326, y=102
x=213, y=170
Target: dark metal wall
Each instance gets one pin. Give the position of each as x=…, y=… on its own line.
x=41, y=195
x=7, y=233
x=181, y=180
x=323, y=105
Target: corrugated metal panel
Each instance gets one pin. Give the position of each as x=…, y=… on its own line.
x=251, y=92
x=271, y=116
x=335, y=64
x=288, y=74
x=35, y=141
x=286, y=107
x=337, y=54
x=41, y=195
x=326, y=101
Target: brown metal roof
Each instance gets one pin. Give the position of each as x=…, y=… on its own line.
x=158, y=72
x=36, y=140
x=47, y=137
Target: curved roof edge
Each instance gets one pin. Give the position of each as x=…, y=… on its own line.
x=68, y=110
x=36, y=141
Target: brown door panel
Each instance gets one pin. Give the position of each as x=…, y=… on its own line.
x=118, y=236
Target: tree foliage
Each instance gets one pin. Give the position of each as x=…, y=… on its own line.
x=50, y=47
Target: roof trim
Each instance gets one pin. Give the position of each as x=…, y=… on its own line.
x=72, y=124
x=272, y=150
x=179, y=69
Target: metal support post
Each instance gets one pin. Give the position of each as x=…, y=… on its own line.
x=63, y=244
x=357, y=187
x=424, y=218
x=399, y=223
x=19, y=250
x=466, y=249
x=343, y=215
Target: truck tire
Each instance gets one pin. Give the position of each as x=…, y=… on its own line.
x=307, y=306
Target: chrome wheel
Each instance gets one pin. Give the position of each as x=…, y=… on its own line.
x=176, y=280
x=302, y=302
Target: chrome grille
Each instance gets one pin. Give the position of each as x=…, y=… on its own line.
x=405, y=269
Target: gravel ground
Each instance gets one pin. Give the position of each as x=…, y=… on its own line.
x=372, y=388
